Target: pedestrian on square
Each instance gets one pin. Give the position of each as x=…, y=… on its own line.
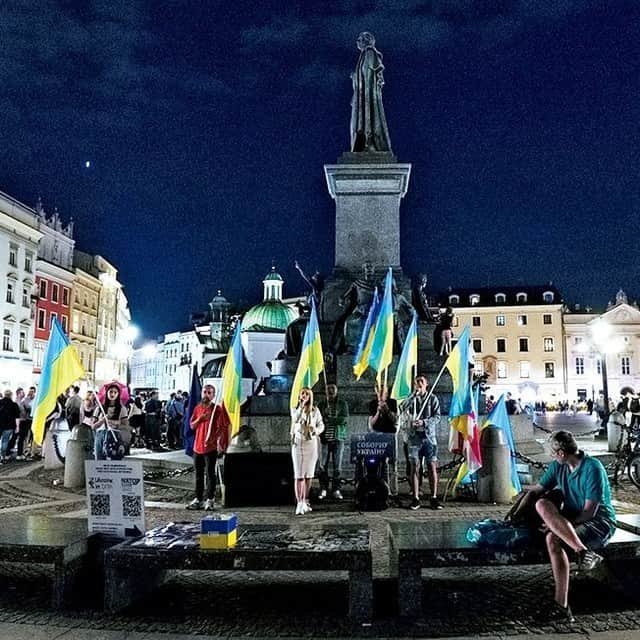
x=18, y=437
x=306, y=427
x=335, y=412
x=175, y=416
x=115, y=417
x=383, y=411
x=422, y=413
x=136, y=421
x=446, y=331
x=584, y=522
x=211, y=425
x=9, y=423
x=153, y=410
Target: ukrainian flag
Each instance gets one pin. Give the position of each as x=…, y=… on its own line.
x=498, y=418
x=382, y=347
x=232, y=382
x=60, y=370
x=403, y=383
x=462, y=412
x=311, y=362
x=361, y=359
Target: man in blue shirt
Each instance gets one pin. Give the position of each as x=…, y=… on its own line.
x=584, y=522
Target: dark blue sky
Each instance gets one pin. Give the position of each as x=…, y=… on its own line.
x=207, y=125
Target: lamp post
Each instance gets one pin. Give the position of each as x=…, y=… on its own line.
x=600, y=333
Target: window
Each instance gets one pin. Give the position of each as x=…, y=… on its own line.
x=10, y=292
x=500, y=321
x=502, y=369
x=65, y=296
x=501, y=345
x=43, y=289
x=522, y=320
x=54, y=293
x=524, y=369
x=42, y=319
x=454, y=299
x=477, y=345
x=578, y=340
x=521, y=297
x=546, y=318
x=549, y=370
x=13, y=255
x=28, y=261
x=580, y=366
x=474, y=299
x=475, y=321
x=64, y=323
x=524, y=344
x=548, y=296
x=25, y=297
x=6, y=339
x=52, y=318
x=625, y=365
x=23, y=342
x=548, y=344
x=501, y=298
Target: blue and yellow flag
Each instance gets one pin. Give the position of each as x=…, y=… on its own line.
x=498, y=418
x=403, y=383
x=61, y=368
x=361, y=359
x=382, y=346
x=311, y=363
x=232, y=382
x=463, y=415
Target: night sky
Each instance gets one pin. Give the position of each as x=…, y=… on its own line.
x=207, y=124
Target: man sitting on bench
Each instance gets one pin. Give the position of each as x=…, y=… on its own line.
x=584, y=522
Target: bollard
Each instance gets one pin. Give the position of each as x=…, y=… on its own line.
x=494, y=477
x=78, y=450
x=614, y=429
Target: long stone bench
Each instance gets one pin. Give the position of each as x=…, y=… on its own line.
x=134, y=568
x=442, y=543
x=60, y=542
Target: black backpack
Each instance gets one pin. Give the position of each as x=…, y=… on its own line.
x=634, y=405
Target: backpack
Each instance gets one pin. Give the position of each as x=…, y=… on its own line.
x=112, y=446
x=634, y=405
x=499, y=535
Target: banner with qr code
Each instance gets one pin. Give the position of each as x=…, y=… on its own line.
x=115, y=497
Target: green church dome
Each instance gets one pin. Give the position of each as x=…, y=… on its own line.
x=269, y=315
x=273, y=275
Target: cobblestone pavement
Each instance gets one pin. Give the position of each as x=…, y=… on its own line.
x=470, y=602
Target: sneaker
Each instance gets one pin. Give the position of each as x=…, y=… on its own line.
x=588, y=560
x=337, y=495
x=435, y=504
x=558, y=613
x=415, y=504
x=323, y=494
x=21, y=458
x=209, y=505
x=194, y=505
x=300, y=509
x=306, y=507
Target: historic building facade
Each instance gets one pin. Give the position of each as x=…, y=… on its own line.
x=517, y=337
x=19, y=238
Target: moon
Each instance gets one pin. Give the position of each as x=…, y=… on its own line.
x=87, y=164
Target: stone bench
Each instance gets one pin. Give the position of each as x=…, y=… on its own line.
x=60, y=542
x=134, y=568
x=442, y=543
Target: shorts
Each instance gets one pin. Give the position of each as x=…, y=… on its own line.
x=426, y=450
x=594, y=533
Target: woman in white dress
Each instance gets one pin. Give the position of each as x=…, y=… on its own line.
x=306, y=426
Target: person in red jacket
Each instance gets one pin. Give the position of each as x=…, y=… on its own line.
x=211, y=424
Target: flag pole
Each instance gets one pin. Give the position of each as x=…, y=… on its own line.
x=433, y=386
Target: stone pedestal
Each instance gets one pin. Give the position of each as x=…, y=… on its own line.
x=367, y=189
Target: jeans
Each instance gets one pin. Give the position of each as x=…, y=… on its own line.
x=205, y=462
x=5, y=438
x=152, y=431
x=331, y=451
x=20, y=437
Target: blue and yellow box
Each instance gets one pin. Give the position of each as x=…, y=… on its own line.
x=219, y=531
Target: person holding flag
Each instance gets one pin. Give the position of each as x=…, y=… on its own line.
x=306, y=419
x=421, y=416
x=210, y=423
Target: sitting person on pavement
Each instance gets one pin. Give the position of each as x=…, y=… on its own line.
x=585, y=522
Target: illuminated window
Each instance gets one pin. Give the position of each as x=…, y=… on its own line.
x=502, y=369
x=549, y=344
x=522, y=320
x=474, y=299
x=500, y=321
x=524, y=369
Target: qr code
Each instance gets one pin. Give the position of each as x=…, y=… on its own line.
x=131, y=506
x=100, y=505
